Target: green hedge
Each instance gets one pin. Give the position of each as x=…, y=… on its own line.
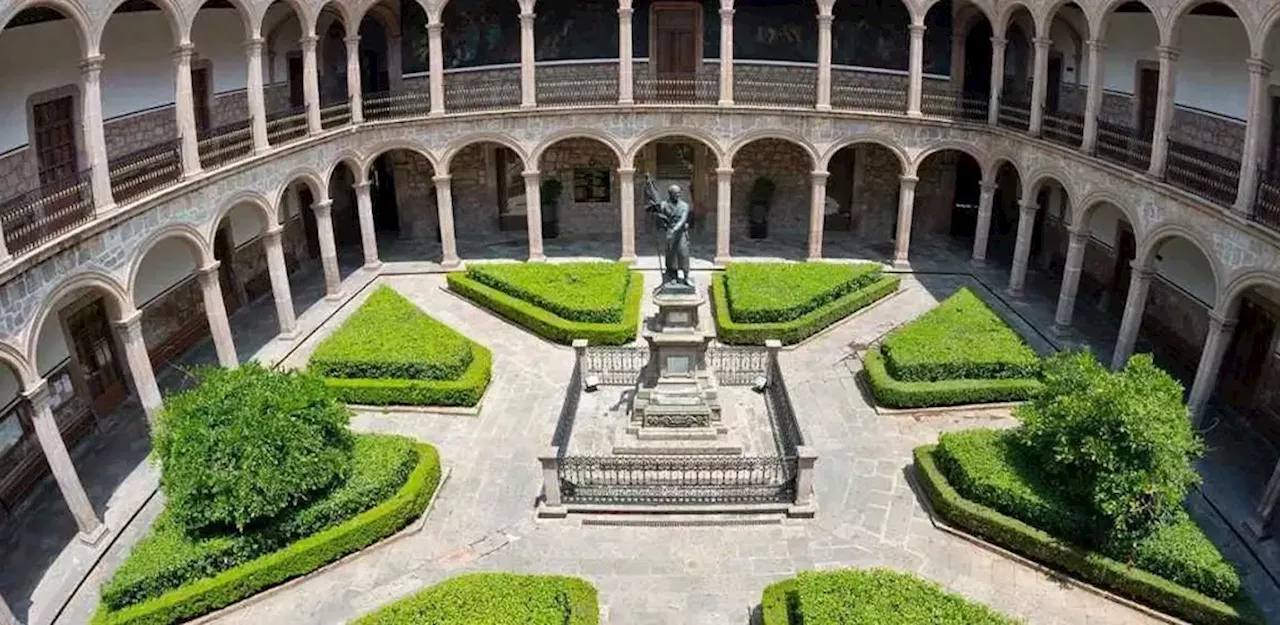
x=299, y=558
x=779, y=292
x=1090, y=566
x=547, y=324
x=960, y=338
x=730, y=331
x=389, y=337
x=893, y=393
x=586, y=292
x=874, y=596
x=495, y=599
x=467, y=390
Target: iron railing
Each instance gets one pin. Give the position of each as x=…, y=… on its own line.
x=1063, y=128
x=1015, y=106
x=287, y=125
x=738, y=366
x=566, y=90
x=677, y=479
x=616, y=365
x=1266, y=203
x=1202, y=172
x=148, y=170
x=336, y=114
x=782, y=414
x=701, y=88
x=396, y=104
x=865, y=98
x=800, y=91
x=480, y=94
x=45, y=212
x=939, y=101
x=1123, y=145
x=228, y=142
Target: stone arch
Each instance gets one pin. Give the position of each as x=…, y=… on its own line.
x=252, y=198
x=245, y=11
x=71, y=11
x=1044, y=20
x=13, y=358
x=1100, y=29
x=984, y=160
x=190, y=236
x=701, y=136
x=347, y=157
x=1005, y=17
x=319, y=187
x=461, y=143
x=1170, y=31
x=535, y=156
x=792, y=138
x=409, y=145
x=1149, y=245
x=1050, y=174
x=299, y=8
x=390, y=19
x=119, y=303
x=1087, y=205
x=999, y=160
x=172, y=13
x=340, y=11
x=904, y=163
x=1231, y=293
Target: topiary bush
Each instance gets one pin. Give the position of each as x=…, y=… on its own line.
x=893, y=393
x=587, y=292
x=247, y=444
x=733, y=332
x=873, y=597
x=775, y=292
x=495, y=599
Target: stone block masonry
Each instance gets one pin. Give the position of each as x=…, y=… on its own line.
x=415, y=196
x=583, y=218
x=135, y=132
x=788, y=167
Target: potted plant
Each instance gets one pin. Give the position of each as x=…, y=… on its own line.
x=550, y=191
x=761, y=201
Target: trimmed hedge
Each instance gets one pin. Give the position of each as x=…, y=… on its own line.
x=547, y=324
x=730, y=331
x=960, y=338
x=299, y=558
x=495, y=599
x=389, y=337
x=893, y=393
x=878, y=596
x=777, y=292
x=586, y=292
x=467, y=390
x=1090, y=566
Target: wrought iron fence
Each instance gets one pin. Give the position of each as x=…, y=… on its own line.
x=1015, y=106
x=568, y=91
x=226, y=143
x=287, y=125
x=866, y=98
x=701, y=88
x=1266, y=204
x=336, y=114
x=616, y=365
x=145, y=171
x=1202, y=172
x=782, y=414
x=481, y=94
x=397, y=104
x=677, y=479
x=1064, y=128
x=1123, y=145
x=738, y=366
x=45, y=212
x=797, y=92
x=953, y=104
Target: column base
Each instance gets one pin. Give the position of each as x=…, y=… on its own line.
x=94, y=536
x=1059, y=331
x=823, y=107
x=1014, y=293
x=373, y=266
x=978, y=262
x=333, y=297
x=551, y=512
x=188, y=175
x=915, y=114
x=724, y=103
x=807, y=511
x=537, y=258
x=435, y=113
x=287, y=336
x=629, y=259
x=901, y=264
x=528, y=105
x=451, y=263
x=626, y=102
x=721, y=261
x=1257, y=528
x=814, y=257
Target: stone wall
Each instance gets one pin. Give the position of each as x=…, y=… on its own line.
x=229, y=108
x=475, y=210
x=788, y=167
x=874, y=183
x=935, y=195
x=1072, y=99
x=1117, y=108
x=19, y=172
x=415, y=196
x=174, y=320
x=1196, y=128
x=276, y=97
x=135, y=132
x=583, y=219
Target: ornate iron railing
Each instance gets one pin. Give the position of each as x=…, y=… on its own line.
x=782, y=414
x=228, y=142
x=616, y=365
x=336, y=114
x=866, y=98
x=802, y=91
x=1202, y=172
x=1266, y=204
x=1123, y=145
x=145, y=171
x=1064, y=128
x=702, y=88
x=939, y=101
x=396, y=104
x=738, y=366
x=677, y=479
x=46, y=212
x=581, y=91
x=482, y=94
x=1015, y=106
x=287, y=125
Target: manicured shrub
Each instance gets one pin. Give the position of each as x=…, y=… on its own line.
x=495, y=599
x=389, y=337
x=246, y=444
x=874, y=596
x=1120, y=444
x=774, y=292
x=299, y=558
x=893, y=393
x=547, y=324
x=732, y=332
x=466, y=390
x=960, y=338
x=1091, y=566
x=587, y=292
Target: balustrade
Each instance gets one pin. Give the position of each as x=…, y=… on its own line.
x=1124, y=145
x=397, y=104
x=775, y=85
x=1202, y=172
x=223, y=144
x=941, y=101
x=45, y=212
x=145, y=171
x=287, y=125
x=1064, y=128
x=698, y=88
x=577, y=84
x=482, y=90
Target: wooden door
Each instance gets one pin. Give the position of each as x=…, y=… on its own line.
x=56, y=155
x=296, y=97
x=200, y=94
x=677, y=48
x=1148, y=97
x=95, y=351
x=1242, y=367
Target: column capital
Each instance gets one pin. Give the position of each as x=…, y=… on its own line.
x=131, y=320
x=825, y=19
x=1141, y=271
x=1167, y=53
x=726, y=14
x=988, y=186
x=1258, y=66
x=351, y=40
x=184, y=51
x=254, y=45
x=434, y=28
x=1095, y=45
x=999, y=42
x=1028, y=205
x=819, y=176
x=724, y=171
x=531, y=174
x=38, y=393
x=1220, y=322
x=916, y=29
x=360, y=186
x=627, y=171
x=441, y=178
x=1077, y=237
x=322, y=207
x=908, y=180
x=626, y=13
x=527, y=18
x=272, y=233
x=210, y=269
x=92, y=64
x=308, y=42
x=1042, y=42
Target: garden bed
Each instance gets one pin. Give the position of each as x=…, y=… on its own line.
x=561, y=302
x=789, y=302
x=959, y=353
x=498, y=598
x=878, y=596
x=391, y=353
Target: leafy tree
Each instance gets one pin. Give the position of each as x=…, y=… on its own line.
x=247, y=444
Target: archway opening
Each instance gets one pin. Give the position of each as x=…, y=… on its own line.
x=691, y=164
x=1066, y=77
x=581, y=199
x=571, y=68
x=1019, y=70
x=406, y=214
x=977, y=60
x=1005, y=213
x=861, y=206
x=870, y=50
x=771, y=198
x=345, y=218
x=481, y=34
x=1127, y=117
x=331, y=61
x=218, y=78
x=174, y=319
x=490, y=211
x=284, y=89
x=945, y=214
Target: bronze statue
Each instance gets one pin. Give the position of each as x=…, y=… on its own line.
x=674, y=215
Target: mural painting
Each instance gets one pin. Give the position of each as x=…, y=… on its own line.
x=576, y=29
x=767, y=31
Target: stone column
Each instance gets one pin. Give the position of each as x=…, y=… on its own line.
x=129, y=330
x=915, y=70
x=368, y=234
x=1039, y=84
x=287, y=319
x=257, y=99
x=825, y=18
x=726, y=53
x=1022, y=247
x=355, y=92
x=997, y=79
x=906, y=205
x=1164, y=110
x=95, y=141
x=1134, y=307
x=805, y=504
x=435, y=61
x=184, y=109
x=528, y=75
x=1259, y=524
x=1093, y=103
x=1070, y=281
x=444, y=212
x=216, y=311
x=1215, y=347
x=982, y=230
x=533, y=211
x=91, y=529
x=328, y=250
x=1255, y=136
x=4, y=249
x=627, y=203
x=311, y=83
x=626, y=84
x=817, y=213
x=724, y=216
x=552, y=502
